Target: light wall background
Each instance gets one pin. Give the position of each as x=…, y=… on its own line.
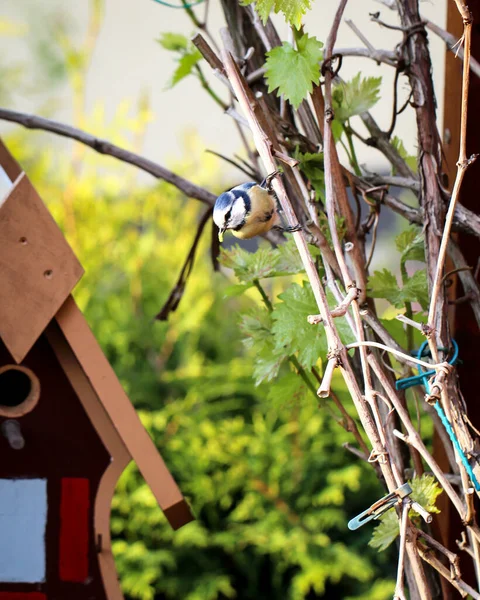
x=127, y=61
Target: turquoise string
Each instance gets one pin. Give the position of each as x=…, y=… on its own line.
x=184, y=6
x=448, y=427
x=423, y=377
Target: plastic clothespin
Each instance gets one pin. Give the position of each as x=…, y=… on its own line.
x=423, y=376
x=379, y=507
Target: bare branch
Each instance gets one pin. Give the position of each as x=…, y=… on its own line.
x=109, y=149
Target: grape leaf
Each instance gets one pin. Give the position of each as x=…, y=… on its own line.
x=256, y=327
x=384, y=284
x=416, y=289
x=408, y=158
x=173, y=41
x=312, y=165
x=292, y=331
x=189, y=56
x=386, y=532
x=293, y=10
x=289, y=390
x=293, y=71
x=249, y=266
x=265, y=262
x=411, y=245
x=355, y=97
x=185, y=66
x=425, y=490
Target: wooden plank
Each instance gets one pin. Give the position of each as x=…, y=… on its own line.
x=463, y=324
x=8, y=163
x=122, y=414
x=115, y=447
x=22, y=596
x=74, y=530
x=38, y=269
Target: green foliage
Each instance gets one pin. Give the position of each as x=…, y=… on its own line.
x=293, y=10
x=264, y=263
x=356, y=96
x=425, y=491
x=294, y=70
x=262, y=466
x=408, y=158
x=292, y=331
x=312, y=166
x=256, y=327
x=411, y=245
x=383, y=284
x=188, y=55
x=386, y=532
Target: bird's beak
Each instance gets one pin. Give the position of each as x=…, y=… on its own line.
x=220, y=234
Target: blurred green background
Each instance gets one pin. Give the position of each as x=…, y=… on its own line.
x=270, y=483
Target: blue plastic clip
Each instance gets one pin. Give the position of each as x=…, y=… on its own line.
x=379, y=507
x=423, y=378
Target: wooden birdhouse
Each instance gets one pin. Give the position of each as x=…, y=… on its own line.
x=67, y=428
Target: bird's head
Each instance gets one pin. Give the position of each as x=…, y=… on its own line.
x=231, y=208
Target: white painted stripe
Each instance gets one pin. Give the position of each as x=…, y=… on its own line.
x=23, y=519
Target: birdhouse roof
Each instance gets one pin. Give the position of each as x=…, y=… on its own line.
x=38, y=270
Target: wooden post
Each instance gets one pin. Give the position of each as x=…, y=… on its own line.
x=464, y=326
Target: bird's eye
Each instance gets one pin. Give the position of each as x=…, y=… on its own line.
x=228, y=214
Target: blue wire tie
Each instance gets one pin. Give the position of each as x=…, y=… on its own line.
x=423, y=379
x=184, y=6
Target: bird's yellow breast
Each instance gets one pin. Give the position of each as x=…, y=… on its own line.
x=256, y=222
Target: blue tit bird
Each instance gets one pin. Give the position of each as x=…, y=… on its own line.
x=248, y=210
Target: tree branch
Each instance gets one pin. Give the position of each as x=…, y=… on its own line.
x=104, y=147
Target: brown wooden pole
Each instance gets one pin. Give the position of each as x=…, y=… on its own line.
x=464, y=326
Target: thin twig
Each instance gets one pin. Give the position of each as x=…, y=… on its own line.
x=453, y=45
x=462, y=165
x=399, y=593
x=414, y=438
x=459, y=584
x=107, y=148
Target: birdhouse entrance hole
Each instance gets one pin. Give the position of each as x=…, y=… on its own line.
x=19, y=391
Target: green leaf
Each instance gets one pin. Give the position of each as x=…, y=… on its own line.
x=264, y=262
x=355, y=97
x=416, y=289
x=293, y=71
x=408, y=158
x=256, y=327
x=289, y=390
x=383, y=284
x=386, y=532
x=425, y=491
x=236, y=289
x=311, y=165
x=185, y=66
x=410, y=243
x=293, y=10
x=294, y=335
x=175, y=42
x=249, y=266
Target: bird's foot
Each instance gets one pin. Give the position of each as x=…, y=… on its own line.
x=267, y=182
